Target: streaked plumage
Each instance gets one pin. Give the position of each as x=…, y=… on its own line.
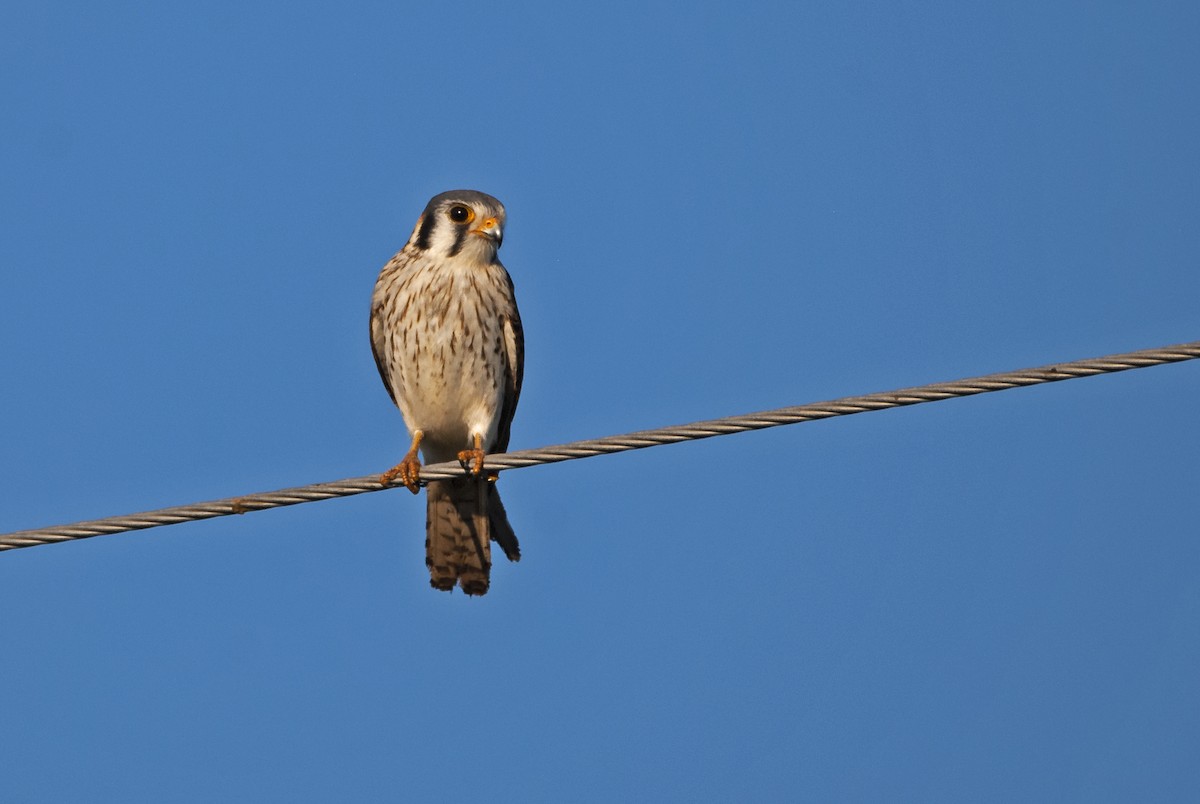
x=448, y=342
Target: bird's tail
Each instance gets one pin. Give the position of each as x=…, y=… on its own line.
x=463, y=517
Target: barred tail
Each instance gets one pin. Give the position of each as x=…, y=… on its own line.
x=463, y=516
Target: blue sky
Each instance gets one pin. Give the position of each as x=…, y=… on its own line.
x=713, y=209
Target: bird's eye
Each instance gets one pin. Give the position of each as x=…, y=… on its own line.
x=461, y=214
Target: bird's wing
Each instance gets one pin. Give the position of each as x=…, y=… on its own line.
x=378, y=344
x=514, y=372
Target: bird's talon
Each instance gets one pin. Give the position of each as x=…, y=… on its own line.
x=472, y=461
x=408, y=471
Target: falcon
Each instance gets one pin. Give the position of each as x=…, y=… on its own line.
x=448, y=342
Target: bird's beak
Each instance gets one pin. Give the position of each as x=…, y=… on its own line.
x=492, y=230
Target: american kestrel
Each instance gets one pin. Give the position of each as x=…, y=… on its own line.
x=448, y=342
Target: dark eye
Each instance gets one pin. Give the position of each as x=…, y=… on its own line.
x=460, y=214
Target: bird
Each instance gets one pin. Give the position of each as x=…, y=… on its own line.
x=449, y=346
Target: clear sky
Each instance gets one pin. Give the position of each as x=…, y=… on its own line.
x=713, y=209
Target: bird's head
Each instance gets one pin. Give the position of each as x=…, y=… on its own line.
x=460, y=223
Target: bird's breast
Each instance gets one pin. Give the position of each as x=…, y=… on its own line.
x=447, y=340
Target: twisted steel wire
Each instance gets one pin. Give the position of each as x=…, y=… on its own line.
x=617, y=443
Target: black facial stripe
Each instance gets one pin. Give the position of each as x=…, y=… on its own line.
x=425, y=233
x=460, y=235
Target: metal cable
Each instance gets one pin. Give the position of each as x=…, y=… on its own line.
x=617, y=443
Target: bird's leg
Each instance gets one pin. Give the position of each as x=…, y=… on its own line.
x=409, y=469
x=467, y=457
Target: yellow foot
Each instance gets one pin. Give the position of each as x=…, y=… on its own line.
x=408, y=471
x=472, y=461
